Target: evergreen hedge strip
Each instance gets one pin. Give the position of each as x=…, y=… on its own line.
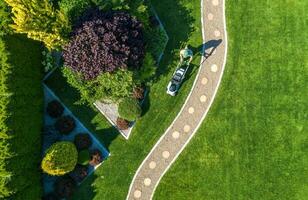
x=21, y=117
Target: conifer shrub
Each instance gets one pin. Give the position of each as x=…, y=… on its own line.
x=40, y=21
x=60, y=158
x=129, y=109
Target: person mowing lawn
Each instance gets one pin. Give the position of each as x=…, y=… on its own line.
x=186, y=54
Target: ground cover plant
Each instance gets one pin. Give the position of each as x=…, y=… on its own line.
x=21, y=117
x=115, y=175
x=253, y=143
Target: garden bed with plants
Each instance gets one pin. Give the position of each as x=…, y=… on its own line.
x=70, y=151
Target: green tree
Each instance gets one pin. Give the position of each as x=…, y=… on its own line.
x=40, y=21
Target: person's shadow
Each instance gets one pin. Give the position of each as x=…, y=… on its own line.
x=208, y=48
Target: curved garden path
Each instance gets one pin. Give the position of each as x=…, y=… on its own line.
x=197, y=104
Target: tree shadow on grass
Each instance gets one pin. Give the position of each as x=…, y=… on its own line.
x=178, y=25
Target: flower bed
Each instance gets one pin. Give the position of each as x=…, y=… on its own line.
x=66, y=127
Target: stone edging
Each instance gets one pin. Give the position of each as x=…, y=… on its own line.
x=135, y=191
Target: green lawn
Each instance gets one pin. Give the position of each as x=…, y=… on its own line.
x=181, y=19
x=253, y=144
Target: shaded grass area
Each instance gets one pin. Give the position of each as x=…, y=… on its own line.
x=24, y=116
x=253, y=144
x=112, y=179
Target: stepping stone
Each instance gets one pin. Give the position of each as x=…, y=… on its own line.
x=191, y=110
x=137, y=194
x=147, y=181
x=214, y=68
x=204, y=81
x=186, y=128
x=175, y=135
x=203, y=98
x=166, y=154
x=152, y=165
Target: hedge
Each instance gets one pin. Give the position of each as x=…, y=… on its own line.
x=21, y=117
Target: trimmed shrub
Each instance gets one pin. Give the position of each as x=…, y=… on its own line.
x=148, y=69
x=138, y=93
x=80, y=172
x=104, y=42
x=5, y=18
x=60, y=158
x=55, y=109
x=64, y=187
x=129, y=109
x=122, y=124
x=82, y=141
x=65, y=124
x=96, y=157
x=84, y=157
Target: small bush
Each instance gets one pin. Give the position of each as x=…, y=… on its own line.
x=65, y=124
x=64, y=187
x=83, y=157
x=60, y=158
x=79, y=173
x=122, y=124
x=82, y=141
x=55, y=109
x=138, y=93
x=96, y=157
x=147, y=70
x=129, y=109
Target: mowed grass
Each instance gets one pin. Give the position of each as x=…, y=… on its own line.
x=253, y=144
x=181, y=19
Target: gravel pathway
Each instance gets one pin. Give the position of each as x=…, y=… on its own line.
x=197, y=104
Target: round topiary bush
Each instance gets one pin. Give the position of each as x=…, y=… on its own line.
x=82, y=141
x=96, y=157
x=64, y=187
x=83, y=157
x=122, y=124
x=55, y=109
x=65, y=124
x=105, y=42
x=60, y=158
x=129, y=109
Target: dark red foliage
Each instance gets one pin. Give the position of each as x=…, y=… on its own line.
x=65, y=124
x=122, y=124
x=82, y=141
x=96, y=157
x=64, y=187
x=79, y=173
x=138, y=93
x=104, y=42
x=55, y=109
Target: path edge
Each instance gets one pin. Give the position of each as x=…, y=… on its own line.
x=205, y=113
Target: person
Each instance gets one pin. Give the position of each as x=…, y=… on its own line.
x=185, y=54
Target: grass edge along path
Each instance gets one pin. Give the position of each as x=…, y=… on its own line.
x=112, y=179
x=253, y=143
